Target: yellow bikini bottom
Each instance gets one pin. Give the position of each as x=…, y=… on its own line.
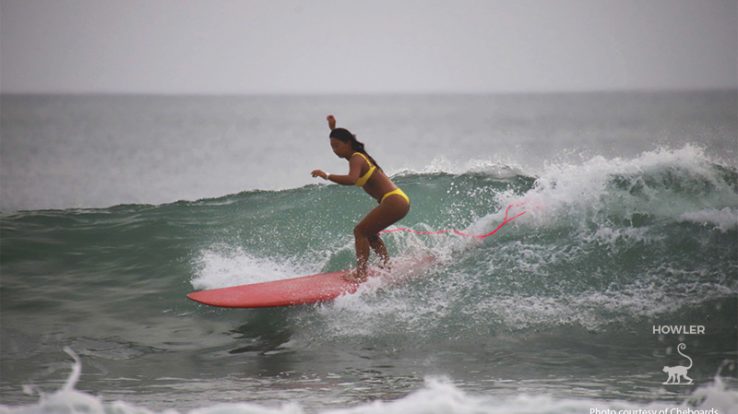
x=398, y=192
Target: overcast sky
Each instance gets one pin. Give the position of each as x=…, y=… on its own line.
x=344, y=46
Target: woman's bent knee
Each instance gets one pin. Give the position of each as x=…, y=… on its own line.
x=362, y=232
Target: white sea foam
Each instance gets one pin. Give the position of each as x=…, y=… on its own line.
x=724, y=219
x=223, y=266
x=667, y=185
x=438, y=396
x=645, y=184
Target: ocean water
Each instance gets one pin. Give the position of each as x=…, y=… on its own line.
x=115, y=207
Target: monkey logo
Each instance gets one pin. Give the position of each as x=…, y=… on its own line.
x=678, y=372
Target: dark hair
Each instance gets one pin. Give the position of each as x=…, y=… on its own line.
x=345, y=135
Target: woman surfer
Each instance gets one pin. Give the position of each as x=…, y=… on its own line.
x=364, y=172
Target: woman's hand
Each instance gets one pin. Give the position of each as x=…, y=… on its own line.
x=331, y=122
x=319, y=173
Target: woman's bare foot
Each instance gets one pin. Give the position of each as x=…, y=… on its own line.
x=353, y=276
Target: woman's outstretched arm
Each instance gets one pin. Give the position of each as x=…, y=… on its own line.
x=348, y=179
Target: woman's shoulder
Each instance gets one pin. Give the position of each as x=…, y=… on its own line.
x=357, y=153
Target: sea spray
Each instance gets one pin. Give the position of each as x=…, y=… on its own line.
x=438, y=395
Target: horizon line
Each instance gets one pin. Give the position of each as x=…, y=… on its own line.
x=375, y=93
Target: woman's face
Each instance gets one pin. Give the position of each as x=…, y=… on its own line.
x=340, y=148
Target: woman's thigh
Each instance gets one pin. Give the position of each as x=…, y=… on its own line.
x=390, y=211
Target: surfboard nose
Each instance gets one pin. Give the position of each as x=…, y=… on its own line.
x=193, y=296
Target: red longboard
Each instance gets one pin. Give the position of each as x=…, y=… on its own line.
x=302, y=290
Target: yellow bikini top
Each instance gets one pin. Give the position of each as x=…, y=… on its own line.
x=364, y=178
